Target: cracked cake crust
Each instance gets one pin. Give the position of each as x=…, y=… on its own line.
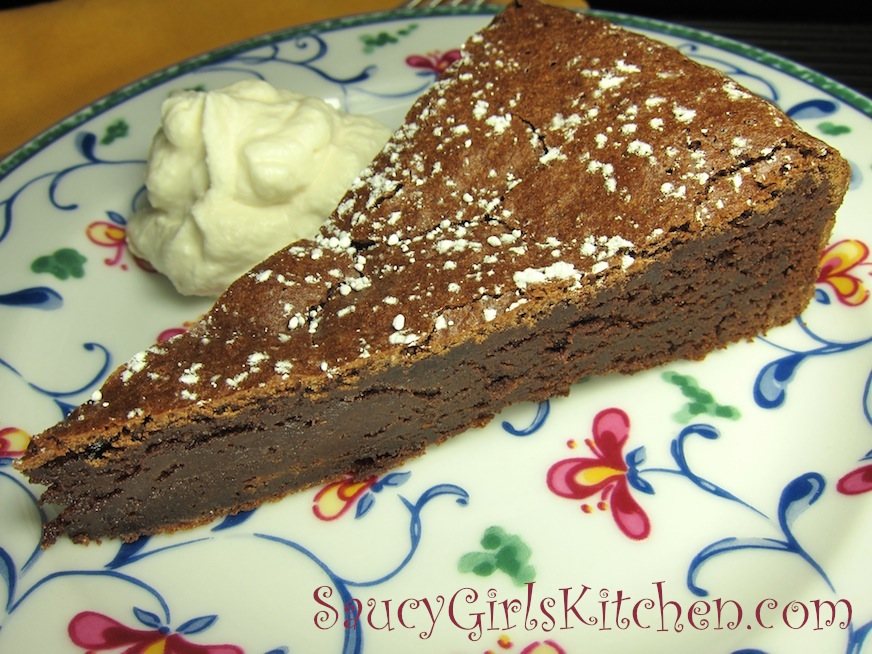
x=570, y=199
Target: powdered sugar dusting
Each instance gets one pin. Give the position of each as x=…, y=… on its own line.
x=136, y=364
x=448, y=229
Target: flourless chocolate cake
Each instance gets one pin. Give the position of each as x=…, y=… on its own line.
x=570, y=199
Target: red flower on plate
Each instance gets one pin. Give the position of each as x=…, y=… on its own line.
x=172, y=332
x=435, y=62
x=606, y=474
x=99, y=633
x=13, y=442
x=839, y=264
x=857, y=481
x=549, y=646
x=545, y=647
x=112, y=234
x=336, y=498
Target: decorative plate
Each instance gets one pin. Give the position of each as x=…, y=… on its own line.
x=720, y=506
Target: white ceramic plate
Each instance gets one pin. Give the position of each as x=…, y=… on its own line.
x=750, y=468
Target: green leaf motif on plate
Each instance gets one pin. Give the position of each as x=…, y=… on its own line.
x=371, y=42
x=63, y=264
x=504, y=552
x=832, y=129
x=116, y=130
x=700, y=401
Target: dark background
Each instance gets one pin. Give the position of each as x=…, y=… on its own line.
x=834, y=39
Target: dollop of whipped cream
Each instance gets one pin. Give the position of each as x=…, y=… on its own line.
x=237, y=173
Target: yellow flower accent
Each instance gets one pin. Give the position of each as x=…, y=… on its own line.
x=838, y=269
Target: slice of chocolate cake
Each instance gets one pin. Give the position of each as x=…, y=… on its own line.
x=571, y=199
